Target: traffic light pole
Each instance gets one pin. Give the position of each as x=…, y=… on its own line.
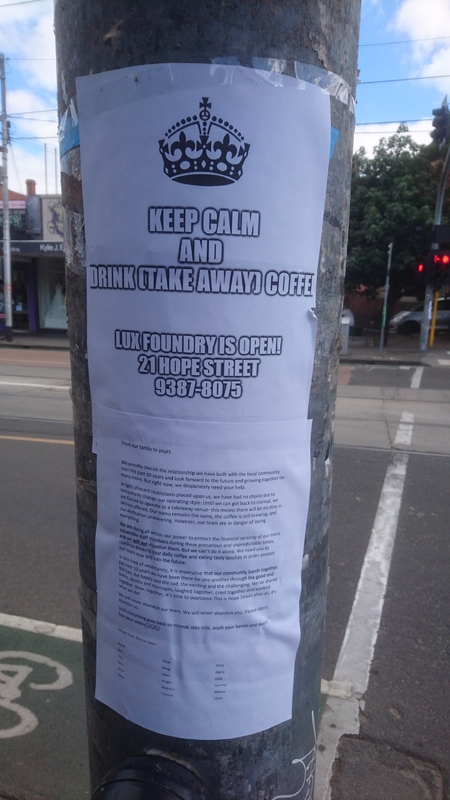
x=96, y=36
x=429, y=292
x=433, y=318
x=386, y=295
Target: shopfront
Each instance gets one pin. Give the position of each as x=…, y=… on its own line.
x=38, y=286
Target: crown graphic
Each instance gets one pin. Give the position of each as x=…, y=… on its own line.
x=203, y=150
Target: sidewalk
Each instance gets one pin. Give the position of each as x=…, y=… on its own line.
x=398, y=350
x=49, y=340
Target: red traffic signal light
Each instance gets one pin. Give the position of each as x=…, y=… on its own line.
x=434, y=270
x=423, y=271
x=442, y=260
x=440, y=267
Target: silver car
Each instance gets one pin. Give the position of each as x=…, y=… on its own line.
x=406, y=322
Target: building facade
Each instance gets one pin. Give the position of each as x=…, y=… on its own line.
x=37, y=262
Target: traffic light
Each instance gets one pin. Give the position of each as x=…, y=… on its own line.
x=440, y=268
x=441, y=123
x=421, y=239
x=421, y=269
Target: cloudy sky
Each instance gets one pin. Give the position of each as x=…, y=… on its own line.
x=401, y=41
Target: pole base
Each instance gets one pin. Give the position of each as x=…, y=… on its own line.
x=149, y=777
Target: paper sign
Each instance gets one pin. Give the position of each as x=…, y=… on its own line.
x=203, y=191
x=199, y=582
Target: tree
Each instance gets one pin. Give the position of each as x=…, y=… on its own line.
x=393, y=194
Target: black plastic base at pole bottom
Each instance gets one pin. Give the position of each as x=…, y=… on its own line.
x=150, y=777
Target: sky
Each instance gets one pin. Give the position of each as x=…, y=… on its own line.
x=404, y=72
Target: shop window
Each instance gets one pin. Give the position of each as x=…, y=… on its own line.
x=19, y=298
x=52, y=303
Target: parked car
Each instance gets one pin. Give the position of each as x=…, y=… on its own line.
x=406, y=322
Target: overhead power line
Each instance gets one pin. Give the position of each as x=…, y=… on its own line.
x=21, y=3
x=31, y=119
x=21, y=138
x=394, y=121
x=40, y=111
x=403, y=41
x=378, y=133
x=13, y=58
x=35, y=119
x=400, y=80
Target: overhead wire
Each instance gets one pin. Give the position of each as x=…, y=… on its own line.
x=22, y=138
x=31, y=119
x=21, y=3
x=18, y=115
x=400, y=80
x=41, y=111
x=15, y=165
x=403, y=41
x=395, y=121
x=376, y=133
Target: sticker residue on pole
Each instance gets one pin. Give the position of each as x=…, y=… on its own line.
x=203, y=193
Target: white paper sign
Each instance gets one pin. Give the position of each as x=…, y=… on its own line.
x=200, y=582
x=199, y=296
x=203, y=191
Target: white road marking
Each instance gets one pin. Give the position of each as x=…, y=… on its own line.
x=38, y=439
x=64, y=676
x=336, y=688
x=443, y=362
x=416, y=378
x=405, y=429
x=13, y=675
x=45, y=628
x=27, y=720
x=351, y=675
x=21, y=385
x=357, y=649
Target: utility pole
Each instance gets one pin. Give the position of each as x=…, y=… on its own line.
x=298, y=42
x=6, y=229
x=45, y=168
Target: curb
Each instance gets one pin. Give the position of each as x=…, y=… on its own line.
x=392, y=362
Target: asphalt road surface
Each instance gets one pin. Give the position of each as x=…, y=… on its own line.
x=385, y=730
x=392, y=447
x=39, y=564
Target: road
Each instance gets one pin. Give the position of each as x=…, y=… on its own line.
x=385, y=725
x=43, y=751
x=38, y=540
x=392, y=439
